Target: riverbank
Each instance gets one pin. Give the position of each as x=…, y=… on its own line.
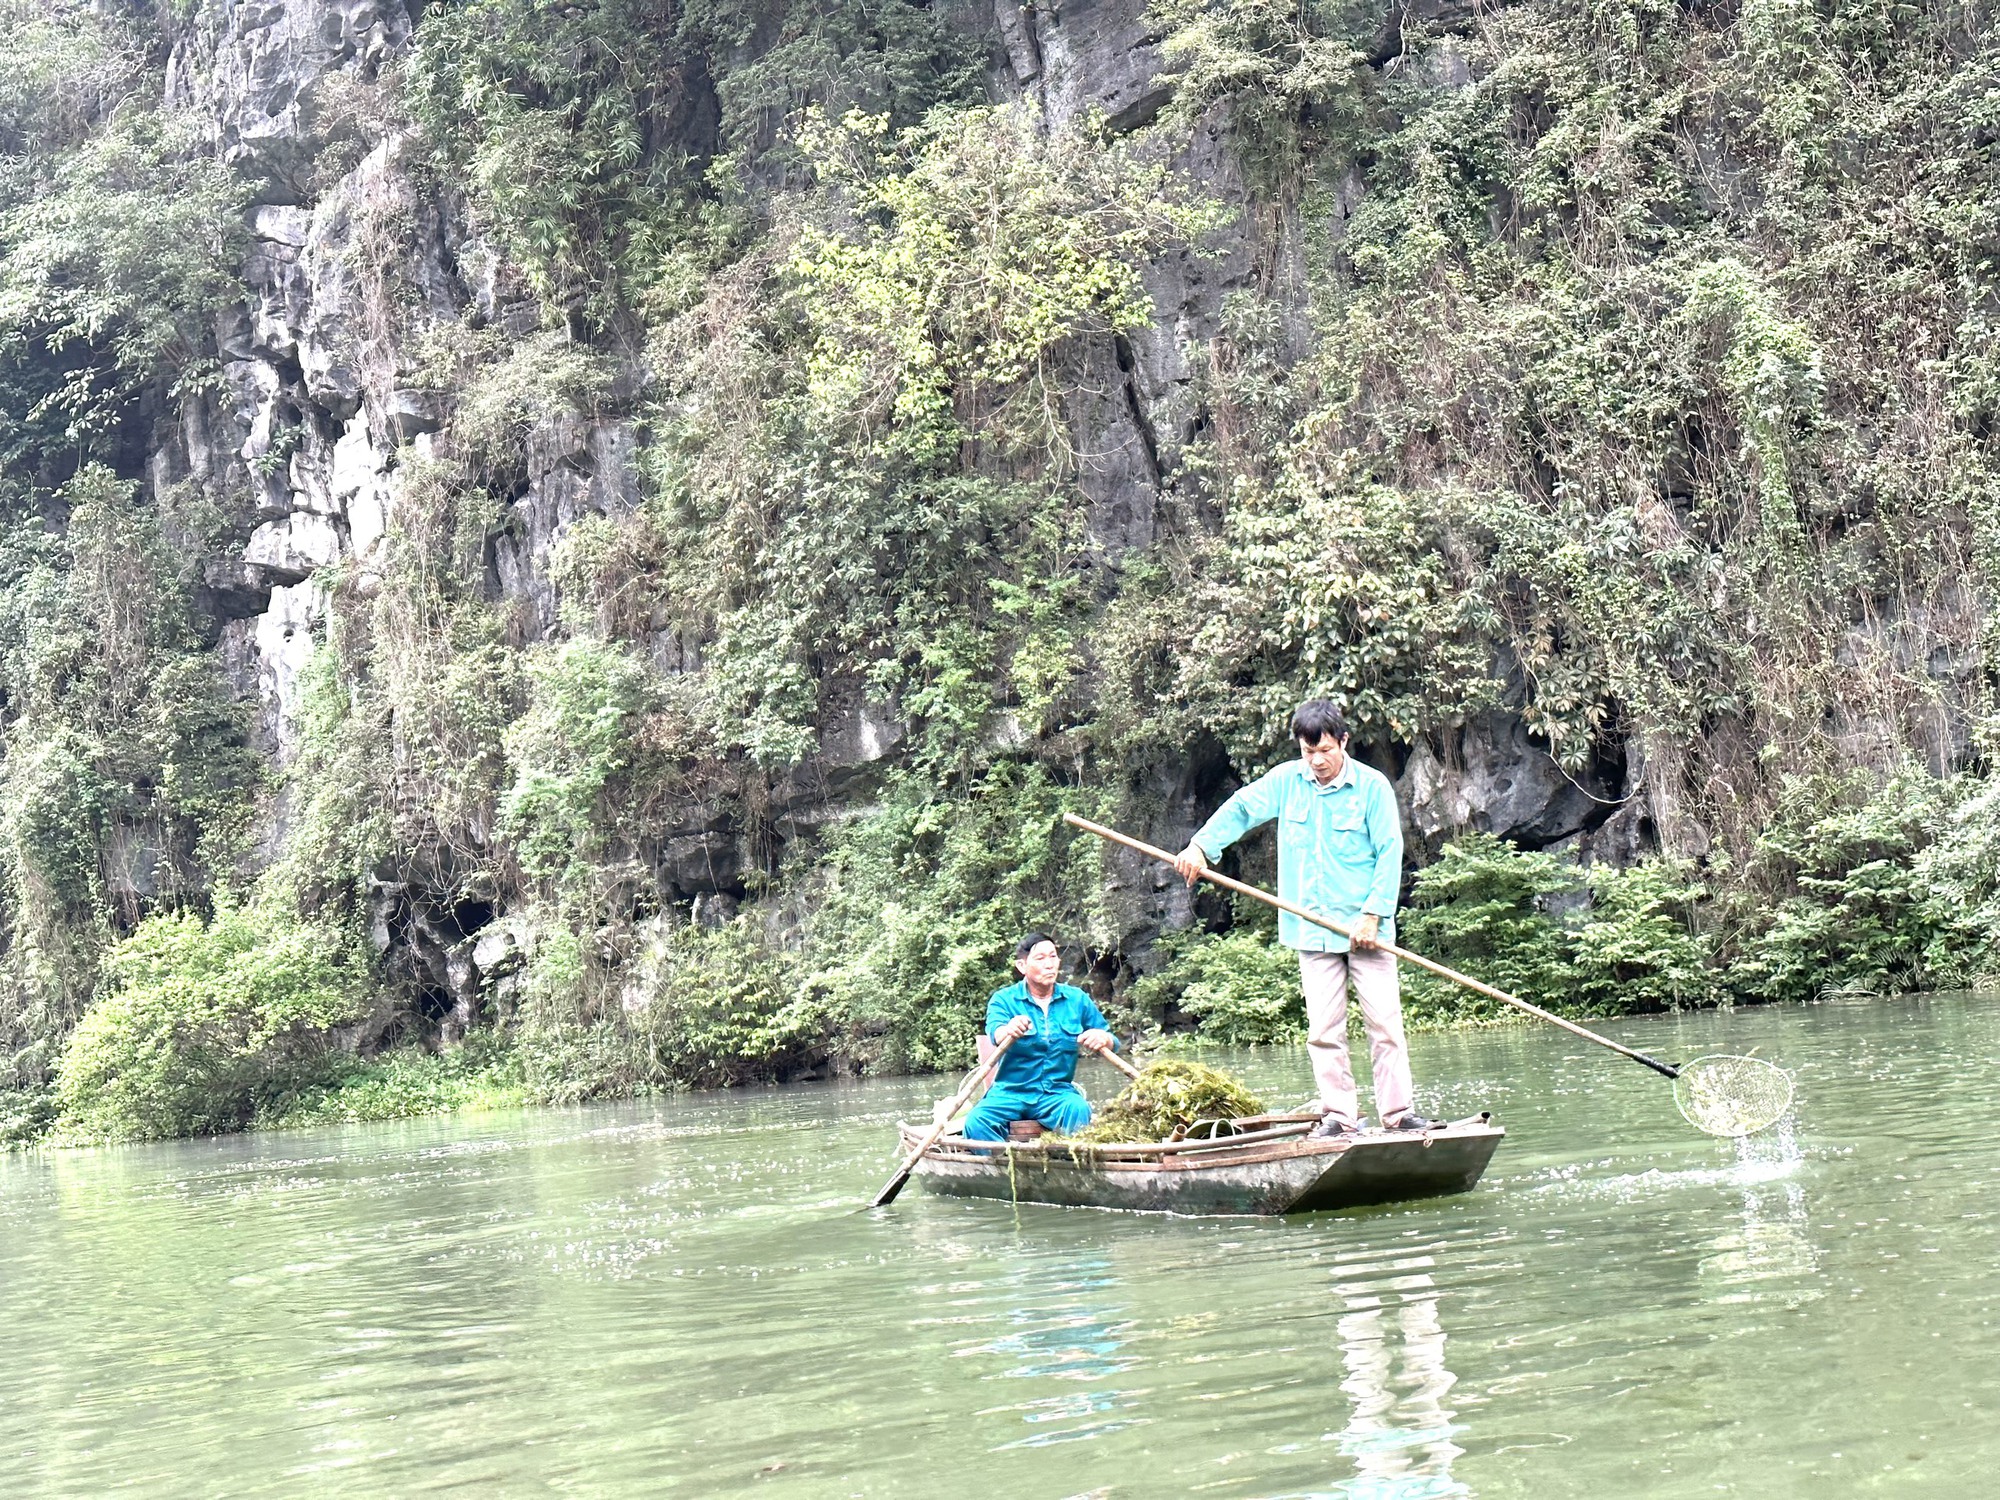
x=487, y=1077
x=257, y=1016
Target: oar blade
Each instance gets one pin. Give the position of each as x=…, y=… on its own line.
x=892, y=1187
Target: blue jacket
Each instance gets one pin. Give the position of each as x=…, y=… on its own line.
x=1340, y=847
x=1045, y=1058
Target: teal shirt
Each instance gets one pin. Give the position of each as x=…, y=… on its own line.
x=1340, y=847
x=1045, y=1058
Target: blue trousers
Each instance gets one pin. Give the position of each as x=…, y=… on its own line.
x=1063, y=1110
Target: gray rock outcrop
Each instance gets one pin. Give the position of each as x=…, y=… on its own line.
x=359, y=265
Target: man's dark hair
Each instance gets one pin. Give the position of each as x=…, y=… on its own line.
x=1031, y=942
x=1317, y=718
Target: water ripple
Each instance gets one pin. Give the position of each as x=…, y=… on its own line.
x=681, y=1295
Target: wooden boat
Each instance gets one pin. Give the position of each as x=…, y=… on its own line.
x=1269, y=1165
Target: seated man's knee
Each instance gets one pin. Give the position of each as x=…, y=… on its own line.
x=987, y=1125
x=1067, y=1116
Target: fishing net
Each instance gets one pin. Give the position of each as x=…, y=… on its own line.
x=1733, y=1096
x=1168, y=1097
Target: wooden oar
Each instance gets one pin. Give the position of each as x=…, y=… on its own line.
x=1119, y=1063
x=895, y=1184
x=1112, y=835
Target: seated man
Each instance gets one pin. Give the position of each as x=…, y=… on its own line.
x=1048, y=1023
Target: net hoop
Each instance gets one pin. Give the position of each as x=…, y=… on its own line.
x=1725, y=1095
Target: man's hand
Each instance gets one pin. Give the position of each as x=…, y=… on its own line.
x=1191, y=862
x=1364, y=933
x=1019, y=1026
x=1097, y=1040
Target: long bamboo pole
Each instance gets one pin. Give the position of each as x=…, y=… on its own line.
x=1112, y=835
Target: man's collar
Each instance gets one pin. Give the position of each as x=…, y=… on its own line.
x=1345, y=778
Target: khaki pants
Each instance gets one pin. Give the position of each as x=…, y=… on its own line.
x=1325, y=977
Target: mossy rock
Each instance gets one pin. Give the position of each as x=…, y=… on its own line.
x=1167, y=1097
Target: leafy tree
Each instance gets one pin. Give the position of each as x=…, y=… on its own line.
x=201, y=1020
x=128, y=769
x=921, y=904
x=1854, y=909
x=1240, y=986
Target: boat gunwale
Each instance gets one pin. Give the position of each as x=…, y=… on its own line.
x=1252, y=1148
x=1082, y=1152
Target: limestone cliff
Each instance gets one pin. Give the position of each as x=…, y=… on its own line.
x=1591, y=504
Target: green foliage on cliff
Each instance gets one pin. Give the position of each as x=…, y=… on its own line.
x=1239, y=987
x=1855, y=867
x=967, y=257
x=1624, y=367
x=585, y=133
x=718, y=1008
x=118, y=237
x=918, y=906
x=576, y=751
x=127, y=777
x=1579, y=942
x=198, y=1022
x=1617, y=438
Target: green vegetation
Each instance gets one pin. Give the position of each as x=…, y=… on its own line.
x=1624, y=367
x=128, y=776
x=197, y=1024
x=923, y=900
x=345, y=1090
x=118, y=239
x=1169, y=1097
x=1855, y=887
x=1625, y=942
x=1239, y=986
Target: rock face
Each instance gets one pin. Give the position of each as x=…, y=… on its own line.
x=324, y=406
x=279, y=79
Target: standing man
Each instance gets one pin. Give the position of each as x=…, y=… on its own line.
x=1340, y=853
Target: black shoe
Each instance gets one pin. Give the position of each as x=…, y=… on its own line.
x=1410, y=1123
x=1331, y=1126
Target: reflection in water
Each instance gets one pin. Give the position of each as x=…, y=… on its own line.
x=1773, y=1253
x=1076, y=1338
x=1399, y=1432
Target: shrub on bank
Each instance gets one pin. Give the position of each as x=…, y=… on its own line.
x=196, y=1022
x=1960, y=875
x=1578, y=941
x=25, y=1116
x=1483, y=908
x=924, y=899
x=484, y=1073
x=1854, y=886
x=1637, y=945
x=1239, y=986
x=1842, y=894
x=1582, y=942
x=716, y=1008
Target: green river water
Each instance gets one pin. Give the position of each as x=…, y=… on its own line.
x=681, y=1297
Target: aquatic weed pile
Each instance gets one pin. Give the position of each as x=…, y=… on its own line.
x=1170, y=1096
